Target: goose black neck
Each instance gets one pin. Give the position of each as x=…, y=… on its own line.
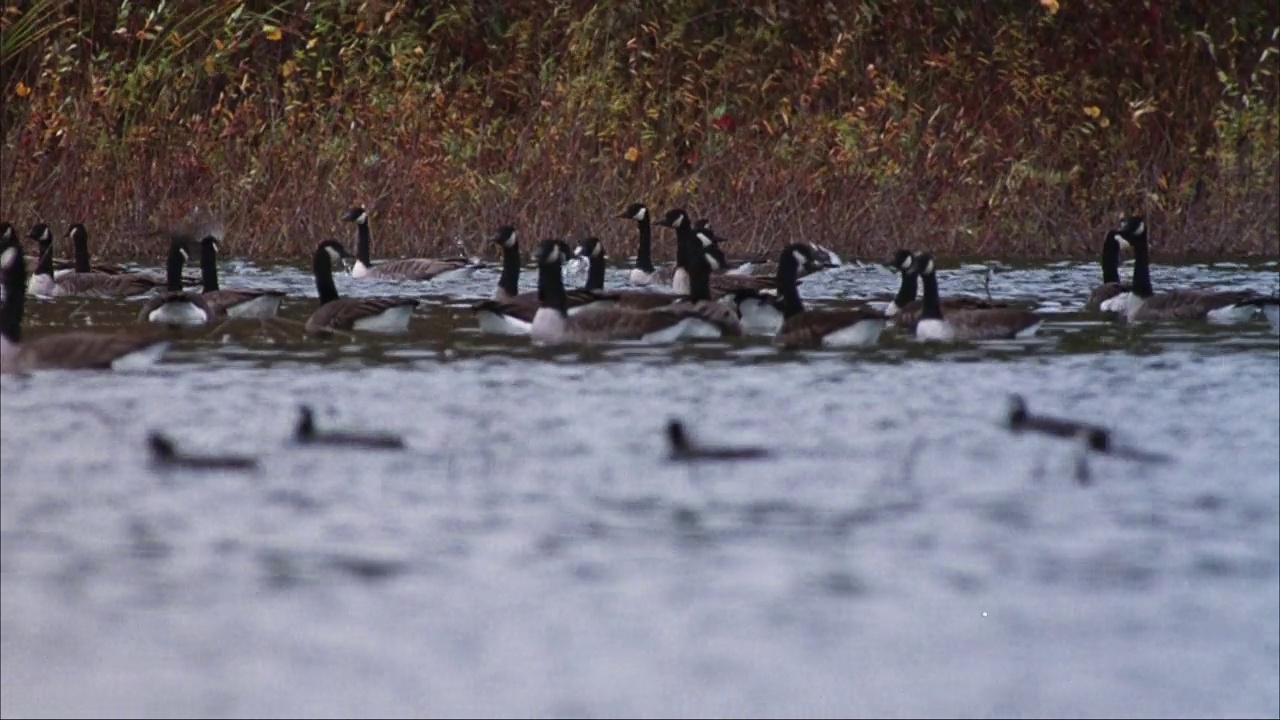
x=80, y=245
x=551, y=287
x=932, y=307
x=173, y=270
x=15, y=296
x=1142, y=270
x=322, y=268
x=698, y=268
x=362, y=243
x=510, y=279
x=644, y=256
x=1111, y=259
x=787, y=288
x=208, y=267
x=44, y=264
x=685, y=236
x=595, y=272
x=906, y=290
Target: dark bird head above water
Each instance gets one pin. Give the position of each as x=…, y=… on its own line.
x=901, y=261
x=675, y=218
x=356, y=215
x=590, y=247
x=635, y=211
x=1132, y=230
x=504, y=236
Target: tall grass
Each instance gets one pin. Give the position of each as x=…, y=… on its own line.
x=1007, y=128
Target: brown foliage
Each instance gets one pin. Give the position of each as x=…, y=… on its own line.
x=999, y=129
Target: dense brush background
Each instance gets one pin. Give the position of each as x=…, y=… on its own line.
x=1011, y=128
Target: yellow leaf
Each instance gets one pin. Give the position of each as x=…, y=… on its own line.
x=1050, y=5
x=312, y=42
x=22, y=90
x=287, y=68
x=1092, y=111
x=632, y=154
x=1104, y=122
x=272, y=32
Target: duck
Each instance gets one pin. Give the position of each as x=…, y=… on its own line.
x=1111, y=285
x=372, y=314
x=240, y=303
x=404, y=269
x=905, y=308
x=164, y=454
x=686, y=240
x=801, y=328
x=511, y=312
x=1142, y=303
x=46, y=283
x=305, y=433
x=974, y=324
x=682, y=448
x=552, y=323
x=645, y=273
x=175, y=306
x=75, y=350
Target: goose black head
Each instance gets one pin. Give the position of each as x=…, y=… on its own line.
x=551, y=252
x=1017, y=411
x=923, y=264
x=77, y=231
x=209, y=241
x=41, y=233
x=336, y=252
x=901, y=261
x=504, y=236
x=161, y=447
x=589, y=248
x=635, y=211
x=677, y=436
x=675, y=218
x=1133, y=229
x=703, y=224
x=356, y=215
x=799, y=255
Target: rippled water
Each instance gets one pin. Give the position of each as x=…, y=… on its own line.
x=533, y=553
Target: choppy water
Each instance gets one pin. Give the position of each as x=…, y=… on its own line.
x=533, y=553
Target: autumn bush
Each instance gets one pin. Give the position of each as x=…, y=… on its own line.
x=1003, y=128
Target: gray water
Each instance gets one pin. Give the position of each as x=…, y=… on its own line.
x=534, y=553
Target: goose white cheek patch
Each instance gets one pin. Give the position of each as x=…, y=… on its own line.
x=642, y=213
x=8, y=257
x=334, y=254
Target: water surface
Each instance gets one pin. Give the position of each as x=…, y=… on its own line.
x=533, y=553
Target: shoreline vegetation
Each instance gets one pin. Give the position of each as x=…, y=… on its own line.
x=1009, y=129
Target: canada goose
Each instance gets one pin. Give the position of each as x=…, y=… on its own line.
x=44, y=283
x=1142, y=303
x=80, y=255
x=511, y=312
x=1111, y=285
x=174, y=306
x=814, y=328
x=62, y=351
x=553, y=324
x=164, y=454
x=1271, y=308
x=592, y=249
x=1020, y=419
x=305, y=433
x=644, y=272
x=237, y=302
x=905, y=309
x=405, y=269
x=684, y=449
x=687, y=239
x=981, y=324
x=374, y=314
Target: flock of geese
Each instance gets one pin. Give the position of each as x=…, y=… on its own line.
x=701, y=295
